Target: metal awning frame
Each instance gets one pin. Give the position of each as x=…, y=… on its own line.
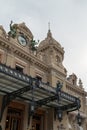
x=33, y=85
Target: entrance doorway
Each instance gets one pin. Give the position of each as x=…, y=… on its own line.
x=38, y=120
x=15, y=114
x=14, y=119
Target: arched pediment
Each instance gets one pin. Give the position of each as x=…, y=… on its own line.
x=23, y=28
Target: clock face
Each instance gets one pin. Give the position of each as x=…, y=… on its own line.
x=22, y=40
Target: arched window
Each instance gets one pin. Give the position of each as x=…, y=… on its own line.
x=57, y=59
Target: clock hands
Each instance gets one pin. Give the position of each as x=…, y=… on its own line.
x=23, y=41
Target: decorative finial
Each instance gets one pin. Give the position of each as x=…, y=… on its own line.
x=80, y=83
x=49, y=32
x=48, y=25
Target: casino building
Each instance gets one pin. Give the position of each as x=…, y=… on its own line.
x=35, y=92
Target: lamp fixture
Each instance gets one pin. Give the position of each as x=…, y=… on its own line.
x=32, y=108
x=79, y=119
x=59, y=114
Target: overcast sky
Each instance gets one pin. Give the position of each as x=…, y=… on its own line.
x=68, y=24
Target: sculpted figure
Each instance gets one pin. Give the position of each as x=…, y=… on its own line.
x=13, y=30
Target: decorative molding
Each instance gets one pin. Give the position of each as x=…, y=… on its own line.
x=75, y=88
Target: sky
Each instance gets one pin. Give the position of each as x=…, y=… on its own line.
x=68, y=24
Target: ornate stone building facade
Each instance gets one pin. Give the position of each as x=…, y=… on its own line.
x=45, y=62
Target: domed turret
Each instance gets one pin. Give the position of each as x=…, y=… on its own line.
x=48, y=41
x=51, y=52
x=50, y=47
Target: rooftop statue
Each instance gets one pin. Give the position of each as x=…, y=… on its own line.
x=13, y=30
x=33, y=45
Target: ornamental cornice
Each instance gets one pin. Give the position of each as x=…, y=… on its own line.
x=58, y=72
x=75, y=88
x=4, y=42
x=22, y=53
x=46, y=46
x=61, y=50
x=30, y=58
x=42, y=48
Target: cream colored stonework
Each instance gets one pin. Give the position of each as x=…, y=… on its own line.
x=48, y=64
